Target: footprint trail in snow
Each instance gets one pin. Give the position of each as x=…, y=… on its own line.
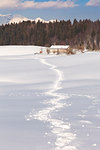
x=60, y=128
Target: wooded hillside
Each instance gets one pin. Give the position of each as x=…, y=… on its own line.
x=79, y=34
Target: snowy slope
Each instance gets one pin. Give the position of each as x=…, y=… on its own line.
x=5, y=19
x=49, y=102
x=44, y=21
x=19, y=50
x=17, y=19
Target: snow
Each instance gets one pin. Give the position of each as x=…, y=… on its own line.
x=18, y=18
x=20, y=50
x=8, y=19
x=49, y=102
x=39, y=19
x=44, y=21
x=59, y=46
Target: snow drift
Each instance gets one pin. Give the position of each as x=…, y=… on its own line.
x=49, y=102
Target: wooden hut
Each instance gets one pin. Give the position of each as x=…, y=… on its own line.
x=59, y=49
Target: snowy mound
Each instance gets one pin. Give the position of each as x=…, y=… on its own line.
x=39, y=19
x=18, y=18
x=49, y=102
x=5, y=19
x=43, y=21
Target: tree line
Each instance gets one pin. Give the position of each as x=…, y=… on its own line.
x=79, y=34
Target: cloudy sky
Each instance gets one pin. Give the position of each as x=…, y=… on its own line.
x=52, y=9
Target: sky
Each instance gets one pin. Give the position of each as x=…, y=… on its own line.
x=52, y=9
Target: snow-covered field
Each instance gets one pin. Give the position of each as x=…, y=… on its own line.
x=49, y=102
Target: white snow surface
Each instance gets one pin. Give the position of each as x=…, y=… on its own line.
x=18, y=19
x=59, y=46
x=8, y=19
x=44, y=21
x=49, y=102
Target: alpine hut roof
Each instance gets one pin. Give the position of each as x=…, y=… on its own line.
x=59, y=47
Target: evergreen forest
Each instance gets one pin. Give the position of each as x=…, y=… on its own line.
x=79, y=34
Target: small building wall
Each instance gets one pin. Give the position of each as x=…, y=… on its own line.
x=58, y=50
